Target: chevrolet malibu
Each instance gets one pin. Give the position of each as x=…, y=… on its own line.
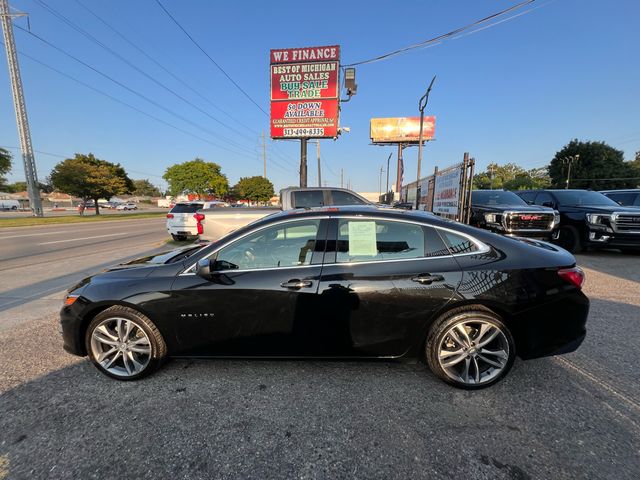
x=347, y=282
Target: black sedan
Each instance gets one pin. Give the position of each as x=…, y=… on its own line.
x=349, y=282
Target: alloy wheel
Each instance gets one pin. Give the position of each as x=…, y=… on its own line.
x=473, y=352
x=121, y=347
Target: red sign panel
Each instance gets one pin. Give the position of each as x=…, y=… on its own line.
x=304, y=119
x=305, y=92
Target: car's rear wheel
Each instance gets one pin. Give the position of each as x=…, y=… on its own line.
x=569, y=239
x=124, y=344
x=178, y=238
x=470, y=348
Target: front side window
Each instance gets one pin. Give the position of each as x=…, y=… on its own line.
x=367, y=240
x=286, y=245
x=544, y=198
x=622, y=198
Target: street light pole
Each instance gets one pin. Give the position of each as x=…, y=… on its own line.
x=422, y=104
x=568, y=161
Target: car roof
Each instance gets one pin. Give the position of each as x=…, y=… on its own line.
x=622, y=190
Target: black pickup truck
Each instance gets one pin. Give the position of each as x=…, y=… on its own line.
x=506, y=213
x=589, y=219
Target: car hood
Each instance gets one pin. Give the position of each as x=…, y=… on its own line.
x=603, y=208
x=514, y=208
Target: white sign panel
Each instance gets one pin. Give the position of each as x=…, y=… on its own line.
x=447, y=192
x=362, y=239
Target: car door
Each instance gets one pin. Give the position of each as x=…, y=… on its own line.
x=381, y=282
x=255, y=305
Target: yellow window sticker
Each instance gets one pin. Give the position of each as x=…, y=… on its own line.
x=362, y=239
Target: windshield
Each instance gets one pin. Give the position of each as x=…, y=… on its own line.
x=496, y=197
x=583, y=197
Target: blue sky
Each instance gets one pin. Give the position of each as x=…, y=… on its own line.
x=516, y=92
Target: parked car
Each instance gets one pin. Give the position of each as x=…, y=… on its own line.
x=218, y=223
x=339, y=282
x=508, y=214
x=589, y=219
x=9, y=205
x=626, y=198
x=184, y=221
x=127, y=206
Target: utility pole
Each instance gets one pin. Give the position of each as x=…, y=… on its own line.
x=342, y=178
x=380, y=182
x=491, y=175
x=568, y=161
x=264, y=155
x=400, y=169
x=19, y=104
x=422, y=104
x=387, y=184
x=303, y=162
x=318, y=154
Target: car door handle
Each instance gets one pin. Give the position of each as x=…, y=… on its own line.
x=427, y=279
x=296, y=284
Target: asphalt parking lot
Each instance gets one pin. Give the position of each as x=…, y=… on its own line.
x=576, y=416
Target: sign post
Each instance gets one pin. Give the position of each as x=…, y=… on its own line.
x=305, y=90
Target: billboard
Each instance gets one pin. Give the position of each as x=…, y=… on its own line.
x=446, y=198
x=401, y=129
x=305, y=89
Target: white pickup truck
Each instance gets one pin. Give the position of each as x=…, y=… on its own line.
x=217, y=222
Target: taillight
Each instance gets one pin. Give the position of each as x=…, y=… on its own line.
x=199, y=217
x=169, y=215
x=574, y=275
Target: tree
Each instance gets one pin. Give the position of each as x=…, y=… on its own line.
x=255, y=189
x=88, y=177
x=510, y=177
x=599, y=166
x=196, y=176
x=5, y=166
x=144, y=188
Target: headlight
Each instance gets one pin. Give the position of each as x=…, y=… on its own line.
x=599, y=219
x=492, y=218
x=556, y=219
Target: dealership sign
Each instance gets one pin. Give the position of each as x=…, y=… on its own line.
x=401, y=129
x=305, y=92
x=446, y=198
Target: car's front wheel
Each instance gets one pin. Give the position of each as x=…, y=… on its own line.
x=124, y=344
x=470, y=348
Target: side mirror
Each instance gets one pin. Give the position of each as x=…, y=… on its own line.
x=208, y=268
x=547, y=204
x=203, y=269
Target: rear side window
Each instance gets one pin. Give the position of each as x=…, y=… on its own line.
x=544, y=197
x=367, y=240
x=457, y=243
x=345, y=198
x=186, y=207
x=312, y=198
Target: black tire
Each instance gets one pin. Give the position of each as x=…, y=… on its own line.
x=631, y=250
x=439, y=335
x=158, y=347
x=569, y=239
x=179, y=238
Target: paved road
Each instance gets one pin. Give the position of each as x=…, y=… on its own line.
x=576, y=416
x=38, y=263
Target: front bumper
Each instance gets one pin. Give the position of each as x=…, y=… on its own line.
x=71, y=329
x=602, y=238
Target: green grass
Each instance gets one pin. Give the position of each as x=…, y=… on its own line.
x=33, y=221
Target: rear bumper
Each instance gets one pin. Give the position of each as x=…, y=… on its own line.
x=554, y=328
x=183, y=230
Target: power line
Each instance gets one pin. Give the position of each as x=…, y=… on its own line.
x=439, y=38
x=128, y=105
x=139, y=70
x=211, y=59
